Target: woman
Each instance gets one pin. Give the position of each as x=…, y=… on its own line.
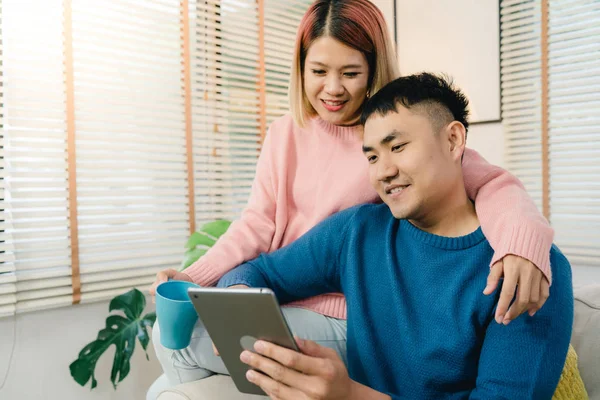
x=312, y=166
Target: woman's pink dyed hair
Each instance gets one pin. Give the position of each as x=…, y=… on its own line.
x=358, y=24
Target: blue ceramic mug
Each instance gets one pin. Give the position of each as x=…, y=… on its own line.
x=175, y=314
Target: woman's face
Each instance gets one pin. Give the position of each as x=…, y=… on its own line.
x=335, y=80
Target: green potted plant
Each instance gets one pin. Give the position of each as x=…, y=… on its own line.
x=127, y=323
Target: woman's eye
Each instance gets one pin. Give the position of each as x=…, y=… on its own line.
x=350, y=74
x=318, y=71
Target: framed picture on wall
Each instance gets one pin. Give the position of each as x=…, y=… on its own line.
x=460, y=38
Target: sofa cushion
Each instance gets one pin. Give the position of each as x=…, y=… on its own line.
x=586, y=336
x=570, y=385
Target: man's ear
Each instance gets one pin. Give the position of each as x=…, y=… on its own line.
x=456, y=134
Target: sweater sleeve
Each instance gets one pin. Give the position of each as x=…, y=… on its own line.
x=249, y=236
x=509, y=218
x=311, y=263
x=524, y=360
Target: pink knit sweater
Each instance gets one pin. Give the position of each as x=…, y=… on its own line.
x=305, y=175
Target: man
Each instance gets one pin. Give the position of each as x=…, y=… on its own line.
x=423, y=246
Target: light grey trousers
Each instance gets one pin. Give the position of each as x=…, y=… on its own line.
x=198, y=360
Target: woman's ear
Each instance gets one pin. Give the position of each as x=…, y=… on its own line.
x=457, y=139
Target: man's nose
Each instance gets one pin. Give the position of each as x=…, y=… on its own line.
x=387, y=170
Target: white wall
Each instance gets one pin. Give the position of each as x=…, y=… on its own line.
x=419, y=18
x=459, y=38
x=48, y=341
x=488, y=140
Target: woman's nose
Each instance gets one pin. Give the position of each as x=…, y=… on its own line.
x=333, y=86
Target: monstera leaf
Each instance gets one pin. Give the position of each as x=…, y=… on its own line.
x=215, y=228
x=120, y=331
x=199, y=242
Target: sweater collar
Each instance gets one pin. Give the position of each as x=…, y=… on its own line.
x=443, y=242
x=343, y=132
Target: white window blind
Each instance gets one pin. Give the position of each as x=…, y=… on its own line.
x=573, y=115
x=131, y=154
x=36, y=194
x=574, y=128
x=520, y=61
x=225, y=72
x=130, y=158
x=281, y=24
x=226, y=101
x=7, y=266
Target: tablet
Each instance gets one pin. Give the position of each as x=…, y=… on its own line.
x=235, y=319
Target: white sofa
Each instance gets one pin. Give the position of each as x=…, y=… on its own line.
x=586, y=340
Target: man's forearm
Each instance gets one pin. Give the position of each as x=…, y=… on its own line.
x=305, y=268
x=245, y=274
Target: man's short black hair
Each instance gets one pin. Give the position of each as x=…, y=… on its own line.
x=442, y=102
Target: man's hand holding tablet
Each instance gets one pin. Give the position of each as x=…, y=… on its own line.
x=316, y=372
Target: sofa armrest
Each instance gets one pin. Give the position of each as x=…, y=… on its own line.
x=216, y=387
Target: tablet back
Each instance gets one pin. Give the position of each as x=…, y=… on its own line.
x=235, y=319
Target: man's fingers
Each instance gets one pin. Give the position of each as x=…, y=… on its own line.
x=290, y=358
x=313, y=349
x=494, y=277
x=276, y=371
x=274, y=389
x=506, y=295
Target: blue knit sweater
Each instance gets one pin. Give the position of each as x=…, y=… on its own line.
x=419, y=326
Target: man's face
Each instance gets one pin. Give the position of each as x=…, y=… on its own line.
x=411, y=166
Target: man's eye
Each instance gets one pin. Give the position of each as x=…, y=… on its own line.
x=318, y=71
x=398, y=147
x=372, y=159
